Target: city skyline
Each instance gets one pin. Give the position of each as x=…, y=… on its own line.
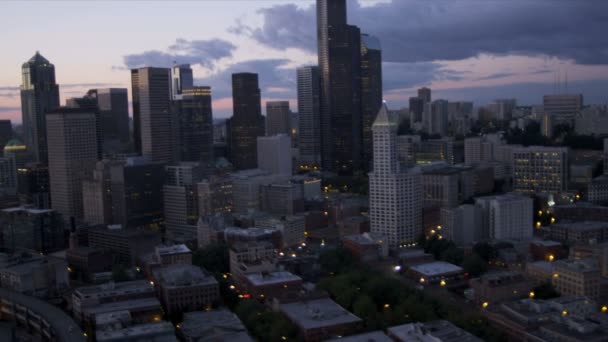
x=516, y=60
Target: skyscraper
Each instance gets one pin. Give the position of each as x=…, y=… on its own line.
x=195, y=125
x=274, y=154
x=278, y=118
x=39, y=95
x=246, y=123
x=339, y=51
x=371, y=90
x=72, y=137
x=309, y=111
x=155, y=120
x=424, y=93
x=6, y=132
x=395, y=197
x=437, y=118
x=181, y=79
x=181, y=200
x=136, y=110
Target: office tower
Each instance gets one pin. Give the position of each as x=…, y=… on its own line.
x=181, y=200
x=506, y=217
x=274, y=154
x=8, y=178
x=278, y=118
x=395, y=194
x=195, y=125
x=416, y=109
x=137, y=197
x=371, y=90
x=477, y=150
x=424, y=93
x=72, y=138
x=309, y=111
x=181, y=79
x=6, y=132
x=215, y=195
x=462, y=224
x=97, y=194
x=437, y=118
x=136, y=110
x=33, y=185
x=34, y=229
x=246, y=123
x=339, y=51
x=540, y=169
x=39, y=95
x=111, y=105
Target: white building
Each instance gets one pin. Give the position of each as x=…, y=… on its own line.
x=274, y=154
x=540, y=169
x=506, y=217
x=395, y=197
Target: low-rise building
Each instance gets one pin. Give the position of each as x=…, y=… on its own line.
x=499, y=286
x=127, y=245
x=547, y=250
x=173, y=255
x=367, y=246
x=440, y=330
x=435, y=272
x=84, y=261
x=38, y=276
x=160, y=331
x=291, y=227
x=579, y=232
x=277, y=284
x=184, y=288
x=320, y=319
x=374, y=336
x=216, y=325
x=540, y=272
x=578, y=278
x=39, y=230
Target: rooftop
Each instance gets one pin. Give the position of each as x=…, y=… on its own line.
x=261, y=279
x=374, y=336
x=127, y=305
x=580, y=265
x=582, y=226
x=440, y=330
x=436, y=268
x=153, y=332
x=183, y=275
x=175, y=249
x=544, y=265
x=318, y=313
x=114, y=289
x=216, y=325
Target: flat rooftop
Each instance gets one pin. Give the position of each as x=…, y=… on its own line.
x=154, y=332
x=543, y=265
x=175, y=249
x=374, y=336
x=183, y=275
x=318, y=313
x=440, y=330
x=127, y=305
x=272, y=278
x=216, y=325
x=581, y=265
x=436, y=268
x=581, y=226
x=114, y=289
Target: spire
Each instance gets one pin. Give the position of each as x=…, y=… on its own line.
x=38, y=59
x=384, y=118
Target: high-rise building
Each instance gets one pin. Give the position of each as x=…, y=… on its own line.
x=395, y=198
x=462, y=224
x=72, y=151
x=278, y=118
x=97, y=194
x=6, y=132
x=416, y=109
x=605, y=156
x=195, y=125
x=39, y=95
x=33, y=185
x=156, y=125
x=274, y=154
x=564, y=106
x=540, y=169
x=136, y=110
x=181, y=80
x=181, y=200
x=506, y=217
x=246, y=123
x=371, y=90
x=33, y=229
x=309, y=111
x=437, y=118
x=339, y=53
x=424, y=93
x=215, y=195
x=8, y=178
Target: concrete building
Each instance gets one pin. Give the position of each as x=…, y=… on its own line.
x=562, y=108
x=406, y=149
x=181, y=200
x=72, y=152
x=366, y=246
x=251, y=257
x=462, y=224
x=309, y=111
x=597, y=190
x=540, y=169
x=216, y=325
x=292, y=228
x=8, y=178
x=592, y=121
x=435, y=272
x=279, y=284
x=577, y=278
x=432, y=150
x=33, y=185
x=395, y=195
x=246, y=189
x=39, y=230
x=320, y=319
x=587, y=232
x=437, y=118
x=38, y=276
x=506, y=217
x=85, y=262
x=281, y=198
x=440, y=187
x=501, y=286
x=184, y=288
x=278, y=118
x=158, y=331
x=274, y=154
x=173, y=255
x=442, y=331
x=97, y=194
x=127, y=245
x=215, y=195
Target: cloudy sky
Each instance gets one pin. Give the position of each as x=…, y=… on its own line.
x=474, y=50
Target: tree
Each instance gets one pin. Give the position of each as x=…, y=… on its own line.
x=453, y=255
x=474, y=265
x=119, y=273
x=213, y=258
x=485, y=251
x=336, y=260
x=545, y=291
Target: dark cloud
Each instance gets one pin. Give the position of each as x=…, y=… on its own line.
x=414, y=31
x=404, y=75
x=201, y=52
x=497, y=76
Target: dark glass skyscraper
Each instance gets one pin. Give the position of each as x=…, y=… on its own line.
x=136, y=110
x=371, y=90
x=339, y=51
x=195, y=125
x=246, y=123
x=39, y=95
x=309, y=112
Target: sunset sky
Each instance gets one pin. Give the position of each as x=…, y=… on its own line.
x=464, y=50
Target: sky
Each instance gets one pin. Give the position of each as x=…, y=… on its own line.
x=475, y=50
